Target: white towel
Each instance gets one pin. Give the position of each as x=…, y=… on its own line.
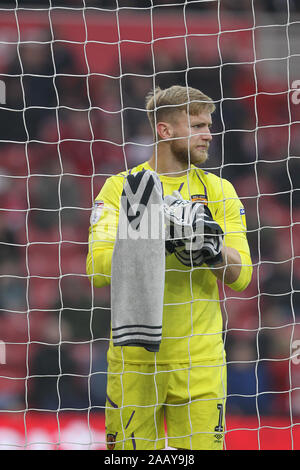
x=138, y=264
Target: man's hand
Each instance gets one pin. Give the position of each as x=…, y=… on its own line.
x=213, y=240
x=210, y=253
x=183, y=223
x=191, y=233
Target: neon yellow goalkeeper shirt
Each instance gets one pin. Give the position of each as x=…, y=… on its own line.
x=192, y=319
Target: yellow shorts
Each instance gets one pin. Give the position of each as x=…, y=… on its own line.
x=145, y=400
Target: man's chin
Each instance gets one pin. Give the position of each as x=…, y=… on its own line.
x=199, y=159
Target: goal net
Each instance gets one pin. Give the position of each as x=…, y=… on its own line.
x=73, y=79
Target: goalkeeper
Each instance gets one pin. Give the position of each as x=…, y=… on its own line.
x=183, y=385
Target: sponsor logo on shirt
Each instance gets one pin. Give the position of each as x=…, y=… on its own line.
x=200, y=198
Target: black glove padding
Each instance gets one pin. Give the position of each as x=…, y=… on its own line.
x=184, y=222
x=210, y=253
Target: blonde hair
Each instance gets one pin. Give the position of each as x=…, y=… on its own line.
x=163, y=105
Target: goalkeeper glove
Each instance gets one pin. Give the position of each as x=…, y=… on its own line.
x=213, y=240
x=210, y=252
x=184, y=224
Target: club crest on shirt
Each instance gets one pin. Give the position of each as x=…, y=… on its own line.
x=96, y=212
x=199, y=198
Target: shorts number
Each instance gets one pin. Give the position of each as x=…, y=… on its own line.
x=219, y=427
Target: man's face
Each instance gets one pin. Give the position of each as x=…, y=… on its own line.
x=192, y=137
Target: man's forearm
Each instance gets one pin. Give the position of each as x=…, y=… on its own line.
x=229, y=269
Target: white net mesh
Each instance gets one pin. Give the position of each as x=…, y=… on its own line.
x=74, y=76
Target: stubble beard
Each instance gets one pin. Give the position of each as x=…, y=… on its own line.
x=187, y=156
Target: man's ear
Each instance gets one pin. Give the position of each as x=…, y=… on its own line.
x=164, y=130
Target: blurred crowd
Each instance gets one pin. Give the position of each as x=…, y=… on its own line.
x=61, y=136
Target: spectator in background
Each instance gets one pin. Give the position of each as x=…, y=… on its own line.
x=55, y=380
x=249, y=380
x=30, y=86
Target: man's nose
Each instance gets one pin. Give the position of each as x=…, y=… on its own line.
x=207, y=134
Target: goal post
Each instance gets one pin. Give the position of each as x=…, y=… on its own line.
x=73, y=81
